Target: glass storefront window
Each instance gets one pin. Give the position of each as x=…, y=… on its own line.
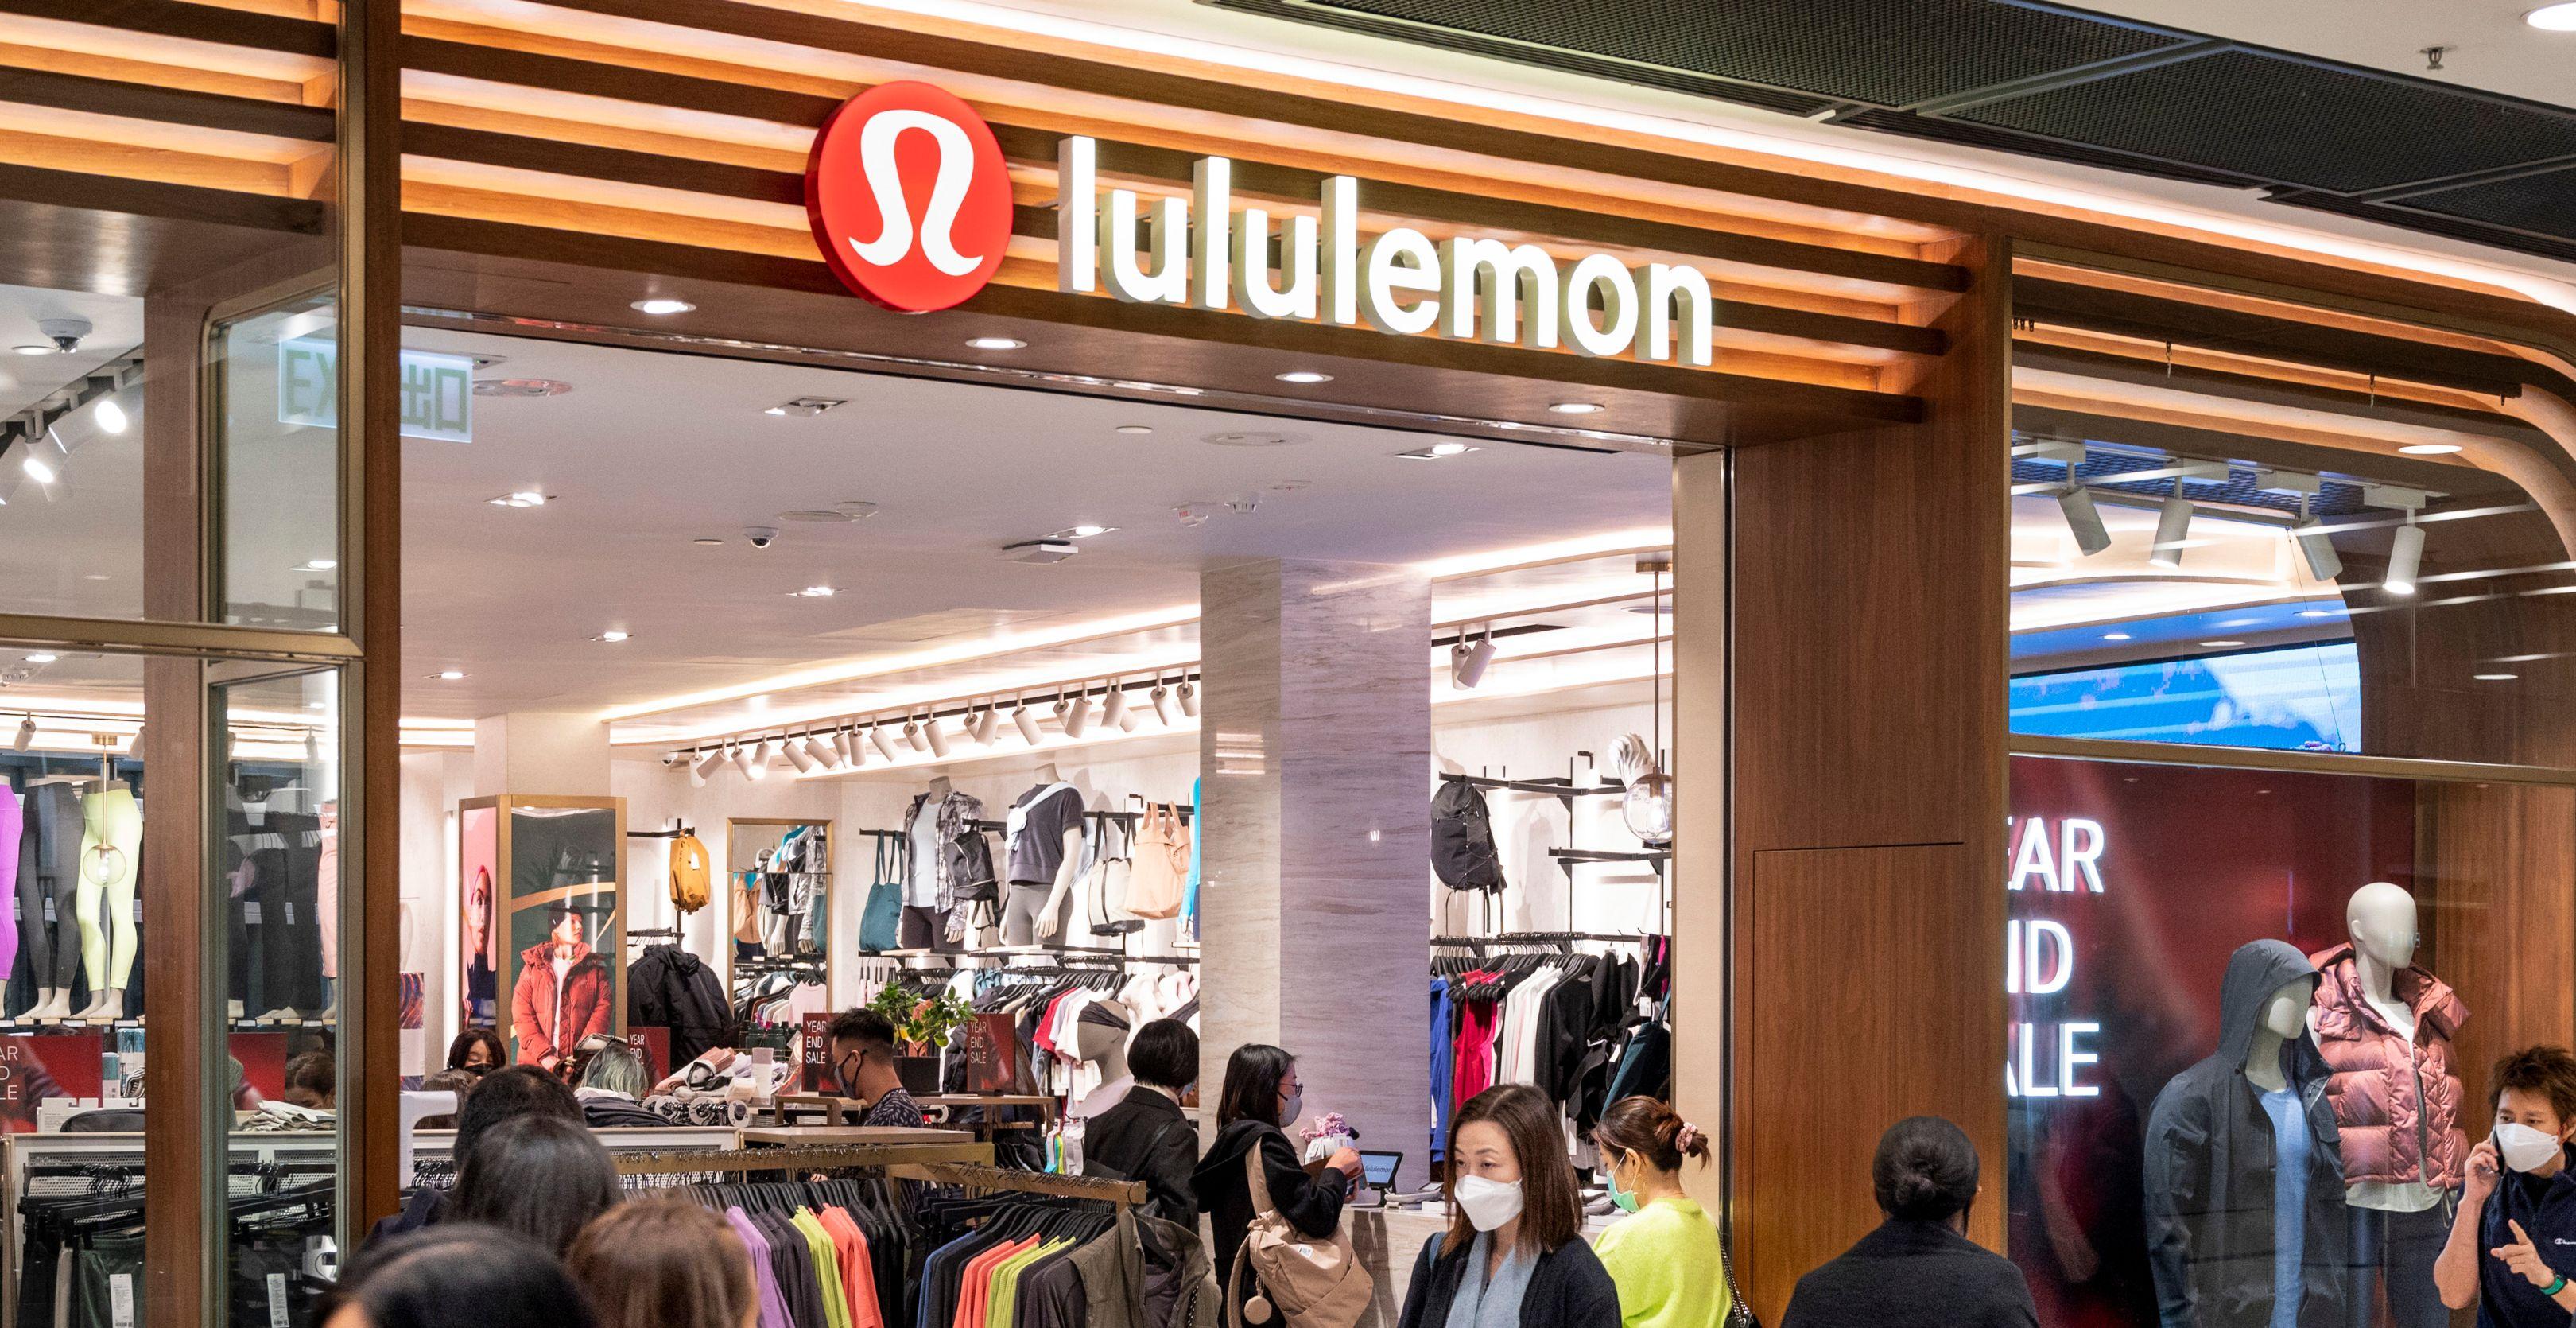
x=280, y=440
x=71, y=453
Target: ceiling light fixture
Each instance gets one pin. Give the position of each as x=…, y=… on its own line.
x=2318, y=547
x=43, y=657
x=797, y=755
x=2083, y=519
x=1162, y=699
x=1026, y=721
x=706, y=766
x=450, y=675
x=37, y=467
x=26, y=735
x=984, y=722
x=1304, y=376
x=805, y=408
x=825, y=753
x=521, y=498
x=2495, y=677
x=2220, y=645
x=876, y=736
x=1467, y=662
x=697, y=770
x=912, y=735
x=1647, y=807
x=662, y=306
x=2429, y=449
x=1449, y=449
x=814, y=592
x=1188, y=692
x=612, y=636
x=1576, y=407
x=2405, y=558
x=2173, y=526
x=995, y=343
x=110, y=416
x=1086, y=532
x=2115, y=636
x=1135, y=429
x=936, y=733
x=854, y=749
x=1113, y=710
x=2553, y=18
x=31, y=348
x=1073, y=713
x=741, y=761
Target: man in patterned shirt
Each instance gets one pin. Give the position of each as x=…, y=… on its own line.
x=862, y=1050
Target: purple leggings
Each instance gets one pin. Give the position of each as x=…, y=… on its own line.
x=12, y=831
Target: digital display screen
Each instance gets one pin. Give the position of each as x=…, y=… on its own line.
x=1379, y=1168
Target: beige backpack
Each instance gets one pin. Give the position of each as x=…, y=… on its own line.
x=1303, y=1282
x=1161, y=874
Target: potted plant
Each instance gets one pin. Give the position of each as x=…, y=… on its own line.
x=921, y=1028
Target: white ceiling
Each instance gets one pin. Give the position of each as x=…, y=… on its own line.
x=2491, y=47
x=651, y=451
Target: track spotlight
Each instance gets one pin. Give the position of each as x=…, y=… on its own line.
x=741, y=764
x=826, y=753
x=2083, y=520
x=1074, y=713
x=797, y=755
x=876, y=736
x=1188, y=692
x=2405, y=558
x=705, y=766
x=1467, y=662
x=2323, y=562
x=761, y=755
x=912, y=734
x=1162, y=696
x=2173, y=526
x=935, y=733
x=697, y=768
x=854, y=749
x=26, y=735
x=134, y=745
x=1113, y=710
x=984, y=725
x=1026, y=721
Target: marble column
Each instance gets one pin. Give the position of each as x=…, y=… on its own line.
x=1314, y=748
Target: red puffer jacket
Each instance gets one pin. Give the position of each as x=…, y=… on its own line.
x=551, y=1021
x=2389, y=1128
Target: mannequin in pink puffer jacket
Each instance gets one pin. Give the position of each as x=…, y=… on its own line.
x=2389, y=1127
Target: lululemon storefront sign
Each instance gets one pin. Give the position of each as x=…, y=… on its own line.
x=910, y=201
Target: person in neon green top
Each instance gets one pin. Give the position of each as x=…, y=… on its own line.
x=1664, y=1257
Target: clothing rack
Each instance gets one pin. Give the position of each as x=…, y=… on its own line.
x=1564, y=789
x=817, y=963
x=1564, y=939
x=673, y=833
x=978, y=1176
x=802, y=1157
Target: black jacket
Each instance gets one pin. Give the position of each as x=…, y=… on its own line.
x=2209, y=1169
x=667, y=987
x=1313, y=1204
x=1568, y=1289
x=1913, y=1275
x=1145, y=1137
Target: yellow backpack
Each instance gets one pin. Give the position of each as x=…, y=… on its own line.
x=688, y=874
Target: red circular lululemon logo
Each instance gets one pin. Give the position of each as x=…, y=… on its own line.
x=909, y=197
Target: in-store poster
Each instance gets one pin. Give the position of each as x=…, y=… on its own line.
x=479, y=931
x=561, y=961
x=34, y=1067
x=2128, y=887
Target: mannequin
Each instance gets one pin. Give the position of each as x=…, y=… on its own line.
x=1100, y=1041
x=2385, y=1027
x=2285, y=1016
x=48, y=877
x=111, y=840
x=1041, y=876
x=936, y=816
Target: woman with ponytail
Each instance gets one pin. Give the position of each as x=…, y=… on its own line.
x=1663, y=1258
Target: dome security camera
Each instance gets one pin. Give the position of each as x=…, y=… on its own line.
x=761, y=537
x=65, y=333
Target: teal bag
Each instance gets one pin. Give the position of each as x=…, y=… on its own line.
x=881, y=923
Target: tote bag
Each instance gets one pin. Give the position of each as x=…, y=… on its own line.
x=881, y=921
x=1162, y=870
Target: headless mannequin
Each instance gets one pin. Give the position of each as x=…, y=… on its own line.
x=922, y=926
x=1050, y=918
x=111, y=841
x=55, y=881
x=1104, y=1046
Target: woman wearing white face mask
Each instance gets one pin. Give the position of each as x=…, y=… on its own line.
x=2515, y=1235
x=1513, y=1256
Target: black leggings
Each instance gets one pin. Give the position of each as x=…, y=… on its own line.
x=49, y=871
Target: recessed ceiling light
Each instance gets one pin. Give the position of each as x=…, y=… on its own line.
x=814, y=592
x=1304, y=376
x=659, y=307
x=804, y=408
x=41, y=657
x=2316, y=613
x=2496, y=677
x=31, y=348
x=612, y=636
x=708, y=543
x=319, y=565
x=2115, y=636
x=2220, y=645
x=2553, y=18
x=2429, y=449
x=1249, y=439
x=1450, y=449
x=1135, y=428
x=522, y=498
x=1086, y=532
x=1575, y=407
x=449, y=675
x=520, y=387
x=995, y=343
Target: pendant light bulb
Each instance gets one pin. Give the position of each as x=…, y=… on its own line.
x=1113, y=711
x=2173, y=526
x=1026, y=721
x=1162, y=697
x=1648, y=809
x=935, y=733
x=26, y=735
x=2405, y=558
x=1074, y=713
x=984, y=725
x=797, y=755
x=877, y=737
x=1188, y=692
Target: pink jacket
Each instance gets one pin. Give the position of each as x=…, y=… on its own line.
x=2391, y=1131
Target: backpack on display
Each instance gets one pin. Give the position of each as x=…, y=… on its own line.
x=881, y=920
x=1462, y=839
x=1301, y=1281
x=1109, y=888
x=689, y=874
x=1161, y=875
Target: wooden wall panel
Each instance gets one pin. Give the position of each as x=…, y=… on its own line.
x=1868, y=635
x=1858, y=1012
x=2497, y=889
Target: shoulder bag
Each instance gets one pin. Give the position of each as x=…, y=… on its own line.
x=1738, y=1314
x=1302, y=1281
x=881, y=920
x=1161, y=873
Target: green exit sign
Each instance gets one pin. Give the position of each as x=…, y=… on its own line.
x=437, y=390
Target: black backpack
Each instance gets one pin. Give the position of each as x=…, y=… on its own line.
x=1462, y=839
x=971, y=873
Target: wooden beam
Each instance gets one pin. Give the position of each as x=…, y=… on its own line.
x=206, y=110
x=193, y=22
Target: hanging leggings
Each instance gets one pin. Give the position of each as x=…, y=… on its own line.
x=48, y=867
x=112, y=838
x=12, y=840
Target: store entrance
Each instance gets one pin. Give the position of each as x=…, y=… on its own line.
x=1026, y=717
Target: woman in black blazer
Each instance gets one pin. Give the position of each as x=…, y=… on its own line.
x=1514, y=1250
x=1919, y=1269
x=1262, y=1095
